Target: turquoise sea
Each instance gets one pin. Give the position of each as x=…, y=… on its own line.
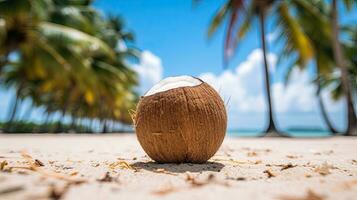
x=294, y=133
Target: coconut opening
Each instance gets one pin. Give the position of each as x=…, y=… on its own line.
x=172, y=83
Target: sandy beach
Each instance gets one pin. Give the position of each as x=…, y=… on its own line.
x=115, y=167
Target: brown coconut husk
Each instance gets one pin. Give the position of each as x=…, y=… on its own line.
x=185, y=124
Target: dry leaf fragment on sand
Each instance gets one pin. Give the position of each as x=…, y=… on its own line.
x=287, y=166
x=258, y=162
x=57, y=192
x=39, y=163
x=195, y=183
x=3, y=165
x=324, y=169
x=237, y=178
x=269, y=173
x=310, y=195
x=95, y=164
x=74, y=173
x=106, y=178
x=292, y=156
x=122, y=164
x=252, y=153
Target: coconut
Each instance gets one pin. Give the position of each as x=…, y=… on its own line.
x=181, y=119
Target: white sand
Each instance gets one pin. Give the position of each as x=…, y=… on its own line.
x=320, y=169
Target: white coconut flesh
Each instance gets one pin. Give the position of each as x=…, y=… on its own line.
x=172, y=83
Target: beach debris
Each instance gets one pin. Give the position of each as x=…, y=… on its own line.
x=95, y=164
x=327, y=152
x=35, y=166
x=11, y=189
x=3, y=165
x=67, y=167
x=308, y=175
x=258, y=162
x=192, y=180
x=122, y=164
x=354, y=161
x=74, y=173
x=39, y=163
x=236, y=178
x=252, y=154
x=287, y=166
x=292, y=156
x=229, y=160
x=164, y=171
x=172, y=104
x=195, y=182
x=324, y=169
x=310, y=195
x=107, y=178
x=56, y=192
x=269, y=173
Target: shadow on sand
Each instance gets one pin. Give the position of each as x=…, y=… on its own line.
x=180, y=168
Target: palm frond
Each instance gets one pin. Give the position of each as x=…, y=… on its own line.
x=218, y=19
x=91, y=43
x=296, y=40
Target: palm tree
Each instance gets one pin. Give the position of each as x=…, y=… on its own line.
x=309, y=15
x=333, y=80
x=342, y=64
x=67, y=58
x=260, y=9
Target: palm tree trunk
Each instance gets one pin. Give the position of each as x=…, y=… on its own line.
x=105, y=128
x=73, y=126
x=12, y=114
x=337, y=51
x=59, y=126
x=4, y=60
x=271, y=129
x=13, y=108
x=323, y=111
x=45, y=124
x=90, y=125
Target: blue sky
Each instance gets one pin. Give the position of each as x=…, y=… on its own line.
x=175, y=31
x=172, y=36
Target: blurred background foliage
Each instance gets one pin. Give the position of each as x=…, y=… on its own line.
x=65, y=56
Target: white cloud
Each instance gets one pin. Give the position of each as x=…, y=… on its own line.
x=243, y=86
x=149, y=70
x=245, y=89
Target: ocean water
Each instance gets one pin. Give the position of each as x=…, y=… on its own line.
x=293, y=133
